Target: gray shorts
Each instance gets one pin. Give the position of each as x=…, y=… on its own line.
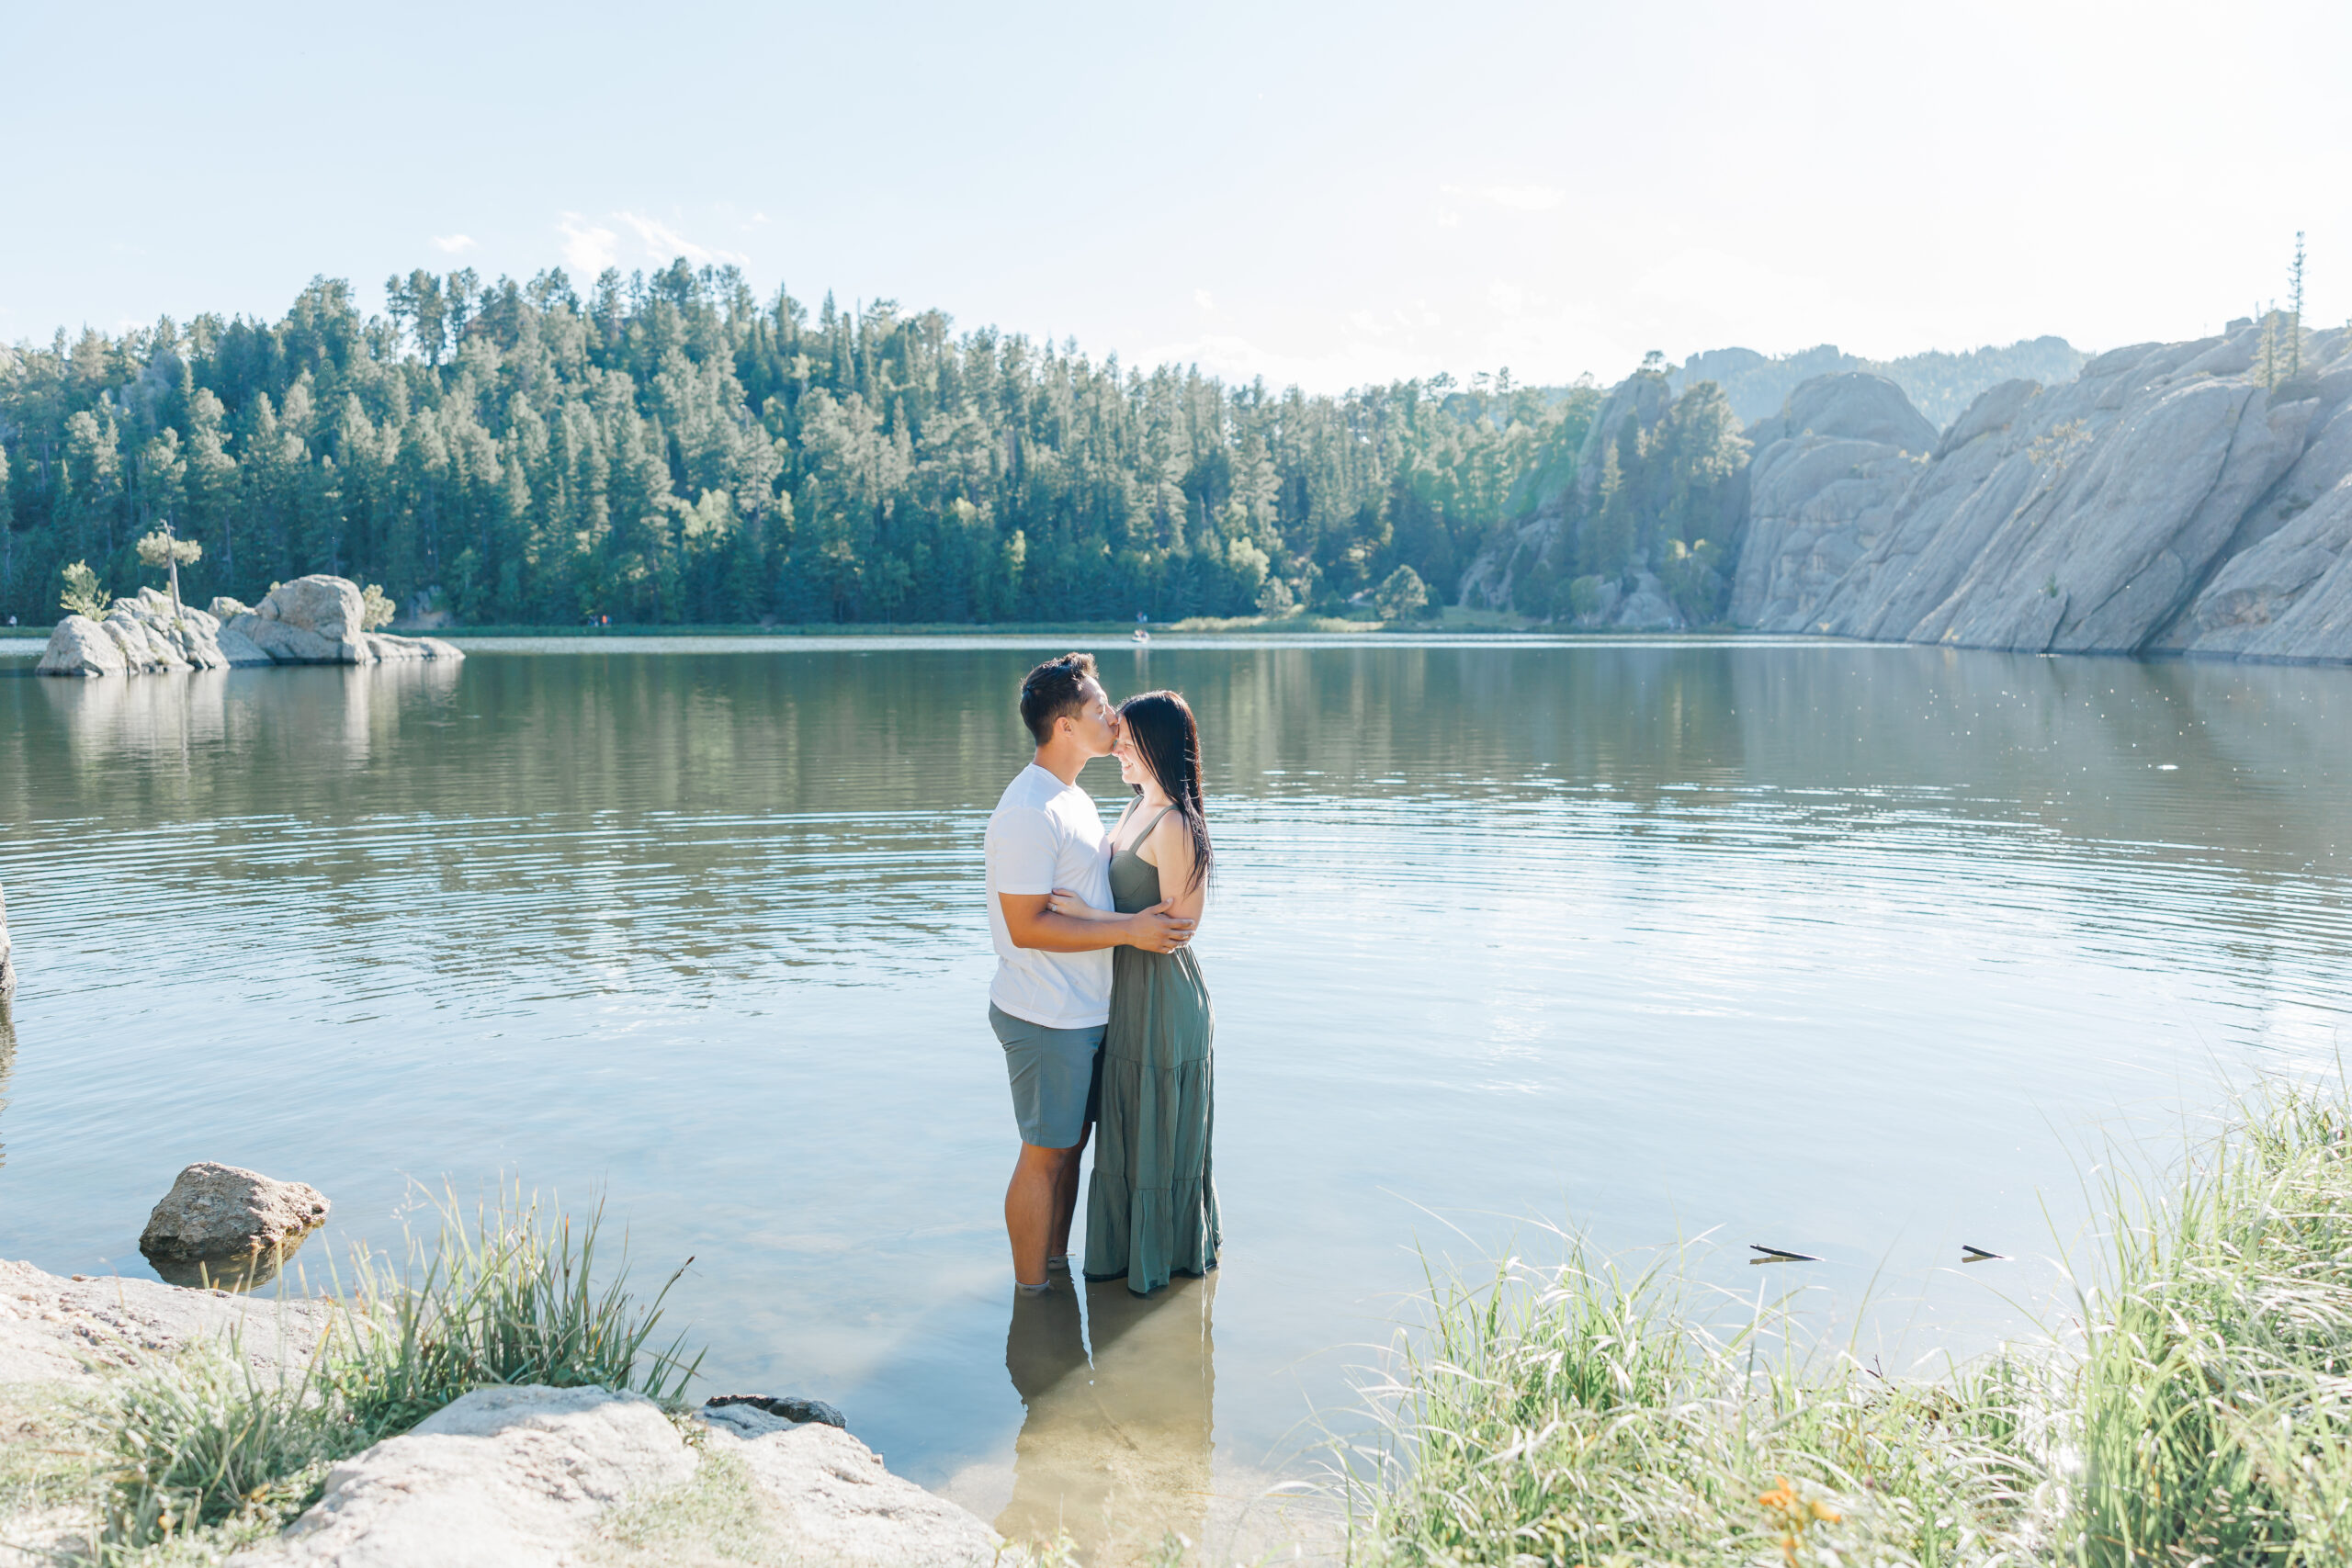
x=1056, y=1077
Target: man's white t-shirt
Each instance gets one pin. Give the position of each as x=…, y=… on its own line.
x=1045, y=834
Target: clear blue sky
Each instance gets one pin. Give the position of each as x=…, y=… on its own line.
x=1322, y=194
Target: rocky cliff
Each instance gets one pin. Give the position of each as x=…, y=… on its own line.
x=2190, y=497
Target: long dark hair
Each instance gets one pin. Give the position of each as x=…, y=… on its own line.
x=1167, y=743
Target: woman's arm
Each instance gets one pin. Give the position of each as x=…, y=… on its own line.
x=1062, y=901
x=1170, y=847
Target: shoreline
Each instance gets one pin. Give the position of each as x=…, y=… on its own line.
x=18, y=644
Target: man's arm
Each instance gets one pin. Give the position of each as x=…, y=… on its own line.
x=1030, y=924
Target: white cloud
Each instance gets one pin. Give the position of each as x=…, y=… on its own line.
x=1506, y=298
x=587, y=250
x=1201, y=297
x=450, y=244
x=664, y=243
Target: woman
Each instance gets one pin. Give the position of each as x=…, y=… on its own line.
x=1151, y=1208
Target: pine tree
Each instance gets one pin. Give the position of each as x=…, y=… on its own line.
x=2295, y=308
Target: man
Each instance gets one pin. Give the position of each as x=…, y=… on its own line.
x=1052, y=992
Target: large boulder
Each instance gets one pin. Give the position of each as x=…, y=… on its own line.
x=503, y=1478
x=317, y=620
x=241, y=651
x=312, y=620
x=80, y=645
x=523, y=1477
x=1828, y=472
x=222, y=1211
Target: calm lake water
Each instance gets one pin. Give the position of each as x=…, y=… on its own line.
x=1850, y=950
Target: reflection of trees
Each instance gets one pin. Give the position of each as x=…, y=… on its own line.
x=1115, y=1449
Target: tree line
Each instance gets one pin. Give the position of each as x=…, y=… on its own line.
x=671, y=449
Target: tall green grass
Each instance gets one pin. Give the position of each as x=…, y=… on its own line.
x=204, y=1450
x=2213, y=1414
x=510, y=1298
x=2196, y=1410
x=1572, y=1414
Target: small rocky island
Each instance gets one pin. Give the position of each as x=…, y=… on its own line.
x=312, y=620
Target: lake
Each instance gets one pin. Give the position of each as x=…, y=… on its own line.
x=1855, y=951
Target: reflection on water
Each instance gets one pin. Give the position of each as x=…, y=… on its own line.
x=8, y=1062
x=236, y=1271
x=1841, y=949
x=1115, y=1446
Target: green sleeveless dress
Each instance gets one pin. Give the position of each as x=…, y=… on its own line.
x=1152, y=1207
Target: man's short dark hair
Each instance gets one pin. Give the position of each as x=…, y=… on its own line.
x=1051, y=690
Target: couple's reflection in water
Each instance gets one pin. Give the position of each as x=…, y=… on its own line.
x=1115, y=1449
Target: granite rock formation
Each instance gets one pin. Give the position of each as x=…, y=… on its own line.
x=223, y=1211
x=1821, y=486
x=312, y=620
x=2192, y=497
x=140, y=635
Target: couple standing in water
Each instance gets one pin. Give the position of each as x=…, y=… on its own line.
x=1098, y=1001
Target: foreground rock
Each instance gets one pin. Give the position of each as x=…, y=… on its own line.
x=71, y=1331
x=223, y=1211
x=519, y=1477
x=312, y=620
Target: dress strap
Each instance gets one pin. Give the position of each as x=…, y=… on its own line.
x=1136, y=844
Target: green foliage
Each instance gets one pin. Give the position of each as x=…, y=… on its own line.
x=2214, y=1419
x=203, y=1439
x=159, y=550
x=375, y=610
x=1583, y=598
x=1403, y=596
x=2195, y=1412
x=82, y=595
x=1578, y=1416
x=509, y=1298
x=201, y=1452
x=1662, y=483
x=1940, y=385
x=671, y=449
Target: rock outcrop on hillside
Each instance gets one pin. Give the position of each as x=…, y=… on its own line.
x=2185, y=497
x=1823, y=485
x=1638, y=603
x=312, y=620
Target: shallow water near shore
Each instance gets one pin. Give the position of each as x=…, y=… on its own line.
x=1854, y=951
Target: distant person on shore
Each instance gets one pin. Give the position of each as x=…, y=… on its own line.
x=1151, y=1206
x=1051, y=997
